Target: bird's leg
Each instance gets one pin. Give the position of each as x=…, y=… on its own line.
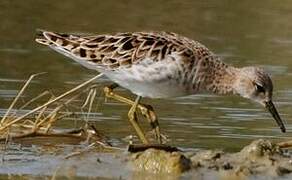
x=133, y=119
x=108, y=91
x=146, y=110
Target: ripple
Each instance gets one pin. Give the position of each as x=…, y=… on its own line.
x=12, y=80
x=275, y=70
x=15, y=50
x=8, y=93
x=282, y=41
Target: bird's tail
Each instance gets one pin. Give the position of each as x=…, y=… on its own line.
x=40, y=38
x=56, y=39
x=66, y=44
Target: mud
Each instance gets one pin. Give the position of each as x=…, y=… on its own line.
x=260, y=158
x=53, y=159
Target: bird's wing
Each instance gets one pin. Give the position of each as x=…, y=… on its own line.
x=121, y=49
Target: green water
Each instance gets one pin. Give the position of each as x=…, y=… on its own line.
x=241, y=32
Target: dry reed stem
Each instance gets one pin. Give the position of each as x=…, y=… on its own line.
x=52, y=119
x=52, y=113
x=86, y=102
x=28, y=121
x=86, y=149
x=5, y=146
x=36, y=128
x=43, y=129
x=87, y=99
x=34, y=99
x=2, y=127
x=285, y=144
x=91, y=100
x=37, y=125
x=73, y=134
x=54, y=176
x=105, y=146
x=18, y=96
x=52, y=116
x=40, y=114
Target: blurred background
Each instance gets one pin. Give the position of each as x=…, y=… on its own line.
x=242, y=33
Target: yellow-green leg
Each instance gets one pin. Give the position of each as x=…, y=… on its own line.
x=146, y=110
x=133, y=120
x=150, y=115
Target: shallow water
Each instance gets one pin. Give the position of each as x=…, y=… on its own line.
x=242, y=33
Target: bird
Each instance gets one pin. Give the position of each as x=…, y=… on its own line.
x=158, y=64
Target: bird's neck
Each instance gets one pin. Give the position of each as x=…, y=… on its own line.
x=222, y=77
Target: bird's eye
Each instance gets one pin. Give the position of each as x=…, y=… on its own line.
x=260, y=88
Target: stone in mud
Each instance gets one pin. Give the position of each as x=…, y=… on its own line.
x=261, y=157
x=160, y=161
x=259, y=149
x=206, y=158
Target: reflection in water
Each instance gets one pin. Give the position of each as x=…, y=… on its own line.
x=242, y=33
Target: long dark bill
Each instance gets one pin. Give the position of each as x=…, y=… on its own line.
x=270, y=106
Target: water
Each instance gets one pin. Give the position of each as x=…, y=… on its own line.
x=242, y=33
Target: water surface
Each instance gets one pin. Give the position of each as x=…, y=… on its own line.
x=241, y=33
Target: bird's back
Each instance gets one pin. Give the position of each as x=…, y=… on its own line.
x=139, y=61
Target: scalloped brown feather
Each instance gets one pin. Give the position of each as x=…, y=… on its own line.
x=124, y=49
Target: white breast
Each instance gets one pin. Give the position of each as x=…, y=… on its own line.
x=151, y=79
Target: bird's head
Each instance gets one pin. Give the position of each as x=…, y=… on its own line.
x=255, y=84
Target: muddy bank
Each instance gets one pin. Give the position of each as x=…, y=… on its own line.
x=261, y=158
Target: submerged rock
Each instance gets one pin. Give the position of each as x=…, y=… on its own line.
x=160, y=161
x=259, y=149
x=261, y=157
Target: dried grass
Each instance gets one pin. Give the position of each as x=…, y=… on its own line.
x=45, y=115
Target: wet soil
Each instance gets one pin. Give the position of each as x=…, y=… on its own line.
x=59, y=157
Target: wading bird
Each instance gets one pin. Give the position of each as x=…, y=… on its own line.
x=161, y=65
